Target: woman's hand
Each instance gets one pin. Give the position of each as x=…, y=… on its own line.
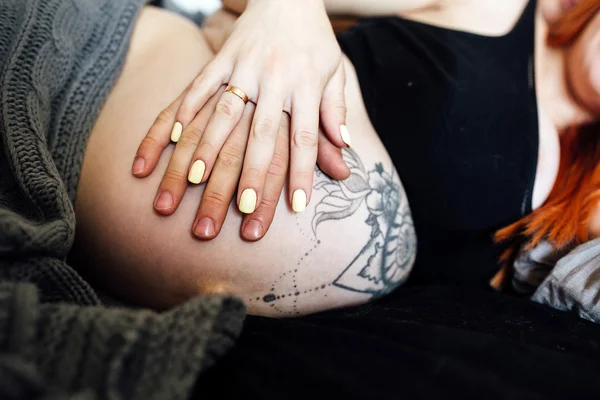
x=284, y=56
x=222, y=184
x=224, y=179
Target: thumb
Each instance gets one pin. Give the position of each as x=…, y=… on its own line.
x=333, y=109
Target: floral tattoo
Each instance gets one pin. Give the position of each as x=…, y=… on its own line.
x=383, y=263
x=386, y=259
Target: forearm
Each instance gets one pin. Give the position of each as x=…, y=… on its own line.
x=358, y=8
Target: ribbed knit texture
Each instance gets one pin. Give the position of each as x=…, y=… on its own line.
x=58, y=62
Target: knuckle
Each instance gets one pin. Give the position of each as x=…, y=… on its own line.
x=188, y=141
x=205, y=149
x=305, y=139
x=214, y=199
x=172, y=175
x=149, y=142
x=264, y=130
x=193, y=133
x=252, y=174
x=279, y=165
x=225, y=108
x=166, y=116
x=230, y=159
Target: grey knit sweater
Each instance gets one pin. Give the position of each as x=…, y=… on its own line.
x=58, y=61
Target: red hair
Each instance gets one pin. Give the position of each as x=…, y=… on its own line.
x=564, y=219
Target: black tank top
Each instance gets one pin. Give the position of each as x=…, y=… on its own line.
x=457, y=113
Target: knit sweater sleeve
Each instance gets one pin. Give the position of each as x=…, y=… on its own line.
x=72, y=351
x=58, y=62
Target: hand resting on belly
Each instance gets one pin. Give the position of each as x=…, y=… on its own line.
x=353, y=243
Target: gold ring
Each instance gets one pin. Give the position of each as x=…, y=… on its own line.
x=238, y=92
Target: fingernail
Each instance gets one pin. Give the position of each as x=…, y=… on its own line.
x=205, y=228
x=299, y=201
x=248, y=201
x=253, y=230
x=345, y=135
x=176, y=132
x=197, y=172
x=164, y=201
x=138, y=165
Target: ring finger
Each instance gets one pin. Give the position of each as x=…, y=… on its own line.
x=228, y=112
x=223, y=182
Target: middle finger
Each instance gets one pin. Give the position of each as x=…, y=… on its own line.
x=256, y=225
x=259, y=153
x=223, y=181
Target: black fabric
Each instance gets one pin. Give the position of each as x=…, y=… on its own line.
x=430, y=342
x=457, y=113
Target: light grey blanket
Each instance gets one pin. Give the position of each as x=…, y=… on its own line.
x=58, y=62
x=574, y=283
x=569, y=281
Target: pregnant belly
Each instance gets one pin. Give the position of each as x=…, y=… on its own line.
x=301, y=266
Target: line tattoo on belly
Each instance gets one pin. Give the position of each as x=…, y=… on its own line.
x=385, y=260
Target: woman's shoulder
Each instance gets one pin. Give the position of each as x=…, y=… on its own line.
x=481, y=17
x=488, y=18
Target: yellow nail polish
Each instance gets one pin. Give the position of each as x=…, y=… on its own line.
x=345, y=135
x=176, y=132
x=299, y=201
x=248, y=201
x=197, y=172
